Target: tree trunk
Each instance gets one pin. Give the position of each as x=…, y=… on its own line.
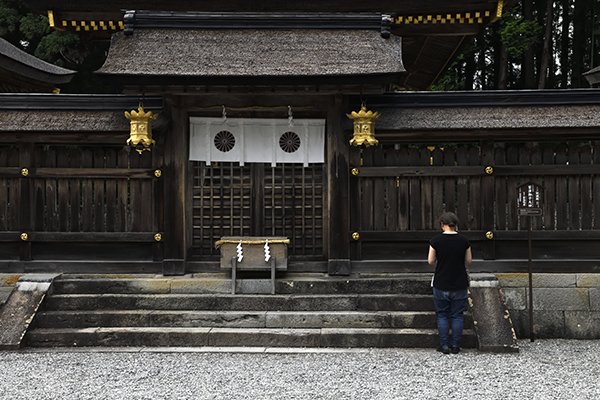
x=579, y=41
x=551, y=82
x=481, y=61
x=528, y=65
x=564, y=44
x=470, y=66
x=500, y=57
x=546, y=50
x=502, y=68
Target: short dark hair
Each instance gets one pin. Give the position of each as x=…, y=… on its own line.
x=450, y=219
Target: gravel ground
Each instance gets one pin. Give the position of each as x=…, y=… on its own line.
x=546, y=369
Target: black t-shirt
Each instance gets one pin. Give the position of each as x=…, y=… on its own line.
x=450, y=270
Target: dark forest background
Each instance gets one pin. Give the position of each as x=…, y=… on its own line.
x=536, y=44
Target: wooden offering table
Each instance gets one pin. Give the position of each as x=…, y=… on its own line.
x=251, y=253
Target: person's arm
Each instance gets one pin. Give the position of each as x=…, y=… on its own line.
x=468, y=257
x=431, y=257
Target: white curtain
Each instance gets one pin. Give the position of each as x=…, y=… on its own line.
x=257, y=140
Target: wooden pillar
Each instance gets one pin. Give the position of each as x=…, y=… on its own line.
x=158, y=208
x=338, y=242
x=25, y=200
x=488, y=248
x=175, y=178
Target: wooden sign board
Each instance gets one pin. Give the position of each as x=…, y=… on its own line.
x=530, y=198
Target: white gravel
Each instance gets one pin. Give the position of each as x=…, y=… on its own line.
x=546, y=369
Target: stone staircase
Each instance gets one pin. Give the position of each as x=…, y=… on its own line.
x=307, y=311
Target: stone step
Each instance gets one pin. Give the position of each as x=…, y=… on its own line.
x=413, y=284
x=225, y=337
x=246, y=319
x=339, y=302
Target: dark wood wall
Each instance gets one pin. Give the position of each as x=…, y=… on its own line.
x=89, y=204
x=79, y=200
x=401, y=188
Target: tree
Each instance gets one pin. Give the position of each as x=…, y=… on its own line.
x=546, y=50
x=537, y=44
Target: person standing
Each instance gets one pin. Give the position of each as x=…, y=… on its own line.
x=450, y=252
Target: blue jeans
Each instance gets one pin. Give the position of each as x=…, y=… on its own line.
x=449, y=308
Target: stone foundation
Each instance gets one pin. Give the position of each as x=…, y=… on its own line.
x=7, y=283
x=565, y=305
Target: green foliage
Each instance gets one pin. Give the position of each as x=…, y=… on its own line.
x=33, y=26
x=509, y=53
x=56, y=46
x=9, y=18
x=451, y=80
x=518, y=34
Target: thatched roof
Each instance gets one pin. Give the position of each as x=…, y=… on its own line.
x=71, y=112
x=490, y=117
x=253, y=53
x=62, y=121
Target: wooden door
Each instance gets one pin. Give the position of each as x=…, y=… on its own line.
x=257, y=200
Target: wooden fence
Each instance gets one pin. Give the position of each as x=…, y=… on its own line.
x=63, y=201
x=400, y=189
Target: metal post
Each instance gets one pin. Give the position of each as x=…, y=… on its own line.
x=530, y=200
x=531, y=336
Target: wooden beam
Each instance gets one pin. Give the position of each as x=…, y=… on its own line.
x=338, y=241
x=387, y=6
x=500, y=170
x=420, y=236
x=93, y=237
x=124, y=173
x=175, y=191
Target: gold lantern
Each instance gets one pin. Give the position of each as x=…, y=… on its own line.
x=364, y=127
x=140, y=135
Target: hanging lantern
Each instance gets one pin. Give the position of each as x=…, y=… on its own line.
x=364, y=127
x=140, y=135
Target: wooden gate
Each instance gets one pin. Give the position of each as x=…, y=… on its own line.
x=258, y=200
x=400, y=189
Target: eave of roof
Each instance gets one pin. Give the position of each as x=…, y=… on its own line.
x=77, y=102
x=593, y=75
x=405, y=6
x=419, y=99
x=22, y=64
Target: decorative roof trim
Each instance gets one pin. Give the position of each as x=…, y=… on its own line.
x=136, y=19
x=86, y=25
x=466, y=17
